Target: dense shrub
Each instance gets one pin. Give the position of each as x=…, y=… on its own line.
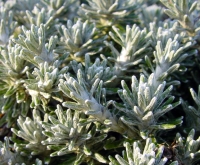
x=100, y=82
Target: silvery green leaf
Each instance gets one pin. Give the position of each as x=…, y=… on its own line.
x=133, y=44
x=7, y=25
x=183, y=12
x=107, y=13
x=31, y=132
x=100, y=158
x=77, y=39
x=140, y=156
x=188, y=149
x=145, y=104
x=34, y=45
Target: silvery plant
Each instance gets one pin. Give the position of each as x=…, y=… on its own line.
x=93, y=82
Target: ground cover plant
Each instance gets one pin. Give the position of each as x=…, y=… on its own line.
x=90, y=82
